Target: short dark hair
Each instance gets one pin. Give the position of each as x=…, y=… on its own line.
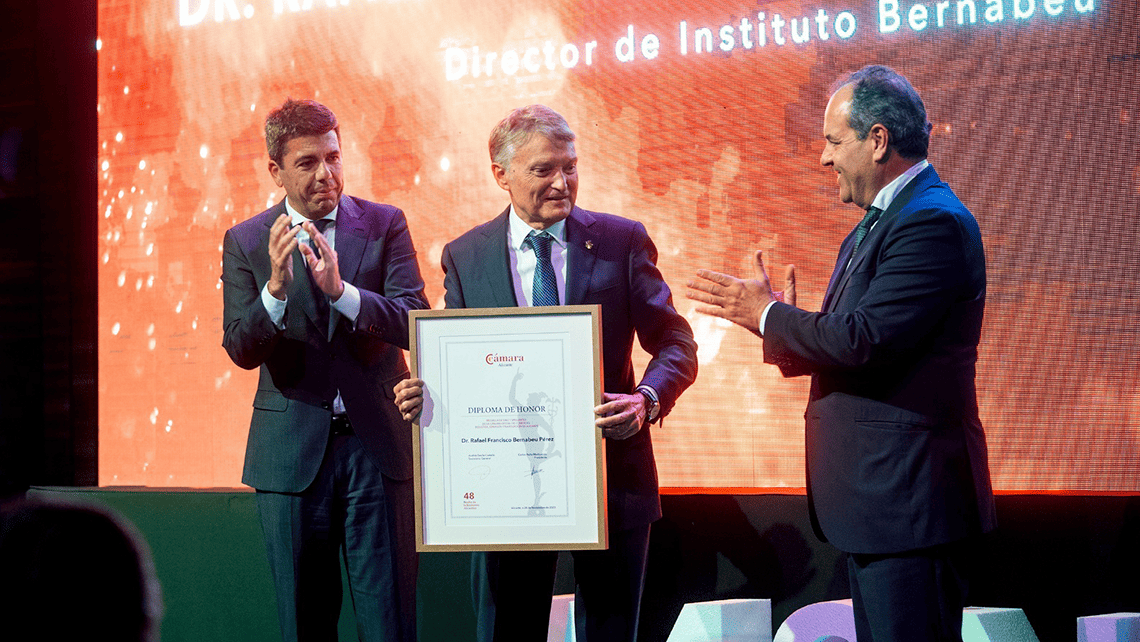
x=516, y=129
x=294, y=119
x=83, y=564
x=884, y=96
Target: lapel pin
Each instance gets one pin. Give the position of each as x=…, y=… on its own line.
x=589, y=245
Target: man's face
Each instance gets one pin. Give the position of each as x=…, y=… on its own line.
x=311, y=174
x=542, y=180
x=852, y=159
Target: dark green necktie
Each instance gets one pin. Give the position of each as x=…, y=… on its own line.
x=865, y=226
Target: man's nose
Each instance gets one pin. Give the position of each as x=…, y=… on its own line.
x=323, y=171
x=559, y=180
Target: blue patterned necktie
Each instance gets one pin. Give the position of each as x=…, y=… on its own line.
x=545, y=290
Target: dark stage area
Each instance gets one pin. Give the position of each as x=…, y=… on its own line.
x=1056, y=557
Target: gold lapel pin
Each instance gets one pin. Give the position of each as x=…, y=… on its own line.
x=589, y=245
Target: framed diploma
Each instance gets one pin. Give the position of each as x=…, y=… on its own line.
x=505, y=450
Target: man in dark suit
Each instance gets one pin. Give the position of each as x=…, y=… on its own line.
x=897, y=469
x=324, y=315
x=593, y=258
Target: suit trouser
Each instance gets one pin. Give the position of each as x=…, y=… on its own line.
x=911, y=596
x=351, y=509
x=513, y=591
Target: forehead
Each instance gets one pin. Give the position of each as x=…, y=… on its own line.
x=322, y=145
x=538, y=148
x=835, y=117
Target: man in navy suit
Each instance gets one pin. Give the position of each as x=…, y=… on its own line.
x=595, y=259
x=897, y=470
x=324, y=315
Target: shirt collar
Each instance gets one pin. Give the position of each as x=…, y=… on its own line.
x=887, y=195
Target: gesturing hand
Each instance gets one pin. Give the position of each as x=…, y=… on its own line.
x=324, y=270
x=282, y=242
x=738, y=300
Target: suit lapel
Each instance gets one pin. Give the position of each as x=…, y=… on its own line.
x=839, y=273
x=495, y=268
x=351, y=238
x=580, y=248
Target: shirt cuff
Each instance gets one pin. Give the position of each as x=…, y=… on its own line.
x=274, y=306
x=349, y=303
x=764, y=316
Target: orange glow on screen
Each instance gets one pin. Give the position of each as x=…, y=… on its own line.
x=700, y=119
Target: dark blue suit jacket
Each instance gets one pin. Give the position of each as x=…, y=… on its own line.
x=301, y=371
x=896, y=455
x=610, y=261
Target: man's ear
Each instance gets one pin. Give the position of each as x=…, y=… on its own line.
x=500, y=174
x=275, y=172
x=881, y=140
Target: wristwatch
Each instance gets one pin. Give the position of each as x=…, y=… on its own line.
x=652, y=406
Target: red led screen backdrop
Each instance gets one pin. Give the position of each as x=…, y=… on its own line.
x=700, y=119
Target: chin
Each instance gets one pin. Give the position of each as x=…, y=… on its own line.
x=556, y=214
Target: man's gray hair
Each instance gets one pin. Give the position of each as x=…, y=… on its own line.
x=516, y=129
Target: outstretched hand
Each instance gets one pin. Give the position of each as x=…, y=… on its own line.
x=738, y=300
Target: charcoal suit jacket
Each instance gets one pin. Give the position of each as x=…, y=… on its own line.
x=896, y=454
x=301, y=367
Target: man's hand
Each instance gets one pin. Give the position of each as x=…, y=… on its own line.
x=409, y=396
x=620, y=416
x=740, y=301
x=324, y=271
x=282, y=242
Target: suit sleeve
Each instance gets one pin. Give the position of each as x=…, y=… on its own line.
x=922, y=267
x=249, y=335
x=661, y=330
x=385, y=313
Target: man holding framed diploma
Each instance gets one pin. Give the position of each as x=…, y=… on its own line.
x=543, y=251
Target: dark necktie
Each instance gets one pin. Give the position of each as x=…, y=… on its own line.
x=545, y=290
x=865, y=226
x=321, y=299
x=321, y=224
